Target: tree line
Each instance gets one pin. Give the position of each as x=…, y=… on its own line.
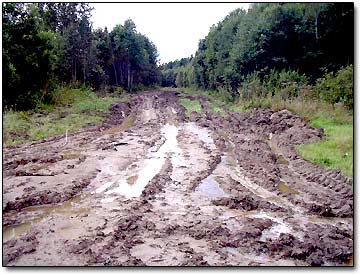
x=305, y=39
x=50, y=44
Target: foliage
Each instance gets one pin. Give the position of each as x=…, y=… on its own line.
x=47, y=44
x=178, y=73
x=28, y=57
x=337, y=87
x=281, y=45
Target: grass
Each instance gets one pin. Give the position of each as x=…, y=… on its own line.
x=219, y=101
x=216, y=108
x=190, y=105
x=335, y=151
x=73, y=110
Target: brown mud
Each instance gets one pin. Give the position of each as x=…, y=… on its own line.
x=152, y=186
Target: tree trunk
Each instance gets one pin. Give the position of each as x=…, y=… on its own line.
x=120, y=77
x=84, y=71
x=121, y=74
x=75, y=72
x=116, y=80
x=316, y=27
x=128, y=77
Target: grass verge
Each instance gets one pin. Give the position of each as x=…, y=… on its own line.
x=335, y=151
x=73, y=110
x=190, y=105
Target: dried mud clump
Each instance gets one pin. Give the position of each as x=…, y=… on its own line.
x=246, y=202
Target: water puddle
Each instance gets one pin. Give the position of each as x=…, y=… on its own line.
x=284, y=188
x=278, y=227
x=277, y=151
x=275, y=231
x=342, y=223
x=349, y=262
x=11, y=232
x=282, y=160
x=35, y=214
x=125, y=125
x=104, y=187
x=132, y=180
x=202, y=134
x=135, y=184
x=210, y=188
x=109, y=199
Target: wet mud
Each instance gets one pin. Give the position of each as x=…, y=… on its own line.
x=154, y=187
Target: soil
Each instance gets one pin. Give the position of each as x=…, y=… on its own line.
x=153, y=186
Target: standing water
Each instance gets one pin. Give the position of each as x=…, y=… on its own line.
x=152, y=166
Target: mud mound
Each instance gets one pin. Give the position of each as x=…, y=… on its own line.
x=245, y=203
x=118, y=112
x=45, y=197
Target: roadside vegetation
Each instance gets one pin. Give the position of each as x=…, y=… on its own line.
x=73, y=109
x=190, y=105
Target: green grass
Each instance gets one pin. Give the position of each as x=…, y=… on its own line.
x=216, y=108
x=335, y=151
x=73, y=110
x=219, y=101
x=190, y=105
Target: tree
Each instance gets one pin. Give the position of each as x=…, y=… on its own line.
x=29, y=56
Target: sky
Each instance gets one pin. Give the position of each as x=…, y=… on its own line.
x=175, y=29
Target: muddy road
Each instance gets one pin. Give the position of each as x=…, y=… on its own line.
x=153, y=186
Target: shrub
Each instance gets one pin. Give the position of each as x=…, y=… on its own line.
x=286, y=84
x=251, y=86
x=338, y=87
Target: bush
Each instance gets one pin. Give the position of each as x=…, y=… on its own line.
x=338, y=87
x=286, y=84
x=251, y=86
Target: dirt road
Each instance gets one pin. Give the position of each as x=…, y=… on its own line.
x=155, y=187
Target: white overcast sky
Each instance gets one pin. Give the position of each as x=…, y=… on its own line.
x=175, y=29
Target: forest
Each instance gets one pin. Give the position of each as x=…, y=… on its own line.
x=46, y=45
x=274, y=48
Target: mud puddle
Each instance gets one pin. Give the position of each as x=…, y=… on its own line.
x=35, y=214
x=202, y=134
x=150, y=168
x=278, y=227
x=210, y=188
x=284, y=188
